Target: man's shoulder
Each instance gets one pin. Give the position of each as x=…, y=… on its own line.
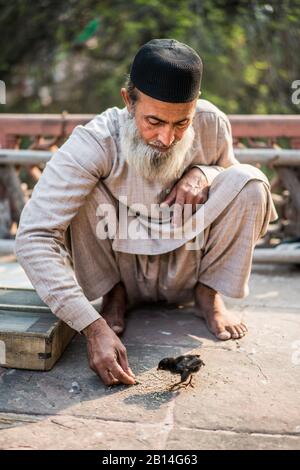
x=93, y=145
x=105, y=125
x=207, y=111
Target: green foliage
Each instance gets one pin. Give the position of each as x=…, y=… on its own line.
x=75, y=54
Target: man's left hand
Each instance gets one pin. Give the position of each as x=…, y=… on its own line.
x=192, y=188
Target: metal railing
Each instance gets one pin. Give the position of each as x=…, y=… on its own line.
x=257, y=141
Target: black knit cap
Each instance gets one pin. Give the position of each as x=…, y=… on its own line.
x=167, y=70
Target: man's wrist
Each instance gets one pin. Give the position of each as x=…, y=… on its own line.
x=201, y=173
x=94, y=327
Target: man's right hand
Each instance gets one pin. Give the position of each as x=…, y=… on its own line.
x=107, y=355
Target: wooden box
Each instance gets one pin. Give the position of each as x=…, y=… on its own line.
x=31, y=337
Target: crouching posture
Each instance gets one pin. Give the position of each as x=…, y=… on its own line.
x=115, y=194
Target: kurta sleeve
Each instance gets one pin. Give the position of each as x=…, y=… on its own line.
x=224, y=152
x=67, y=179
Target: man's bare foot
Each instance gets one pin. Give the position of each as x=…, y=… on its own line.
x=114, y=308
x=223, y=324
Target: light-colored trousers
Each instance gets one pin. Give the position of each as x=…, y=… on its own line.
x=222, y=263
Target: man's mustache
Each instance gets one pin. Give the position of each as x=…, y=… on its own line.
x=158, y=144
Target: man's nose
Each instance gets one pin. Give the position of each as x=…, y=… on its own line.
x=166, y=136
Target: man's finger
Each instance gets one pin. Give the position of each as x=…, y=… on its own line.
x=109, y=377
x=170, y=199
x=201, y=199
x=113, y=380
x=206, y=191
x=131, y=372
x=202, y=196
x=121, y=375
x=178, y=208
x=124, y=362
x=190, y=198
x=106, y=376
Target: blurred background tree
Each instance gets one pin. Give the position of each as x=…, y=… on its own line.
x=74, y=54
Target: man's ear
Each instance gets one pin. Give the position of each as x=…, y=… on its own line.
x=126, y=99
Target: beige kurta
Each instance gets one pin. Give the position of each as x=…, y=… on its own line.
x=90, y=159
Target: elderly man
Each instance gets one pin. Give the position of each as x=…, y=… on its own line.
x=165, y=149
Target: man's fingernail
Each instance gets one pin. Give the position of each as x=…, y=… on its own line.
x=164, y=204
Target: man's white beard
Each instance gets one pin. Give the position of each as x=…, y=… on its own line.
x=149, y=162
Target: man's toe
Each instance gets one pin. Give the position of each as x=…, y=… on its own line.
x=235, y=333
x=223, y=335
x=240, y=330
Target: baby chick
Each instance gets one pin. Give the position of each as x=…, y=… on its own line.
x=183, y=365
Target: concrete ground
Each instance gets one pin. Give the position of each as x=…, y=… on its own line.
x=246, y=397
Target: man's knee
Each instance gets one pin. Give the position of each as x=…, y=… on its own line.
x=253, y=194
x=246, y=177
x=240, y=174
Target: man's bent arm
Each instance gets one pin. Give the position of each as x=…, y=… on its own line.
x=67, y=179
x=225, y=153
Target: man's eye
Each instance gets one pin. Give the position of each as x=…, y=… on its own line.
x=153, y=122
x=182, y=124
